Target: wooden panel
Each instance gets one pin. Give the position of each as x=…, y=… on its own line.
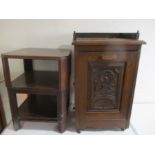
x=121, y=75
x=104, y=85
x=106, y=35
x=107, y=41
x=95, y=48
x=104, y=124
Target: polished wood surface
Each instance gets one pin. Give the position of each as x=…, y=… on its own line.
x=38, y=53
x=37, y=80
x=105, y=76
x=105, y=35
x=107, y=41
x=40, y=86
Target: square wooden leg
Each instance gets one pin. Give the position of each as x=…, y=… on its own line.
x=14, y=110
x=62, y=112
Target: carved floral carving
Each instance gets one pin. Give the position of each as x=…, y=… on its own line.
x=104, y=88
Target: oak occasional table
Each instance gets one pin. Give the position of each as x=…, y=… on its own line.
x=47, y=91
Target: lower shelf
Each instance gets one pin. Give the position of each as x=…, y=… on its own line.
x=39, y=107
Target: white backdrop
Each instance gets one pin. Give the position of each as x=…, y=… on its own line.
x=16, y=34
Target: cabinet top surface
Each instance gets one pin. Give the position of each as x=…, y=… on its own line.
x=107, y=41
x=38, y=53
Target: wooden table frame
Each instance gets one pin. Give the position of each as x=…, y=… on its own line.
x=62, y=92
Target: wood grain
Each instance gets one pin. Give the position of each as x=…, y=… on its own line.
x=103, y=98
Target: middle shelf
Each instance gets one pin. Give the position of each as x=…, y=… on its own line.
x=37, y=80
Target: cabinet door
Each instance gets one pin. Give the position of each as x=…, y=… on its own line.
x=104, y=84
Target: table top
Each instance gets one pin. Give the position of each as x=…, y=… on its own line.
x=107, y=41
x=38, y=53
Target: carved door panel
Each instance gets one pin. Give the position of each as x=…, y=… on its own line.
x=105, y=80
x=103, y=87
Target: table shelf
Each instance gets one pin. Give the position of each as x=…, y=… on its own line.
x=39, y=107
x=42, y=80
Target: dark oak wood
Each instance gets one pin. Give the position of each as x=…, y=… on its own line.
x=38, y=53
x=107, y=41
x=105, y=76
x=6, y=70
x=14, y=109
x=2, y=116
x=37, y=80
x=48, y=91
x=28, y=65
x=106, y=35
x=64, y=93
x=39, y=107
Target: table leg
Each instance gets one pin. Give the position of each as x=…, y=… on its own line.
x=14, y=109
x=12, y=95
x=63, y=94
x=62, y=112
